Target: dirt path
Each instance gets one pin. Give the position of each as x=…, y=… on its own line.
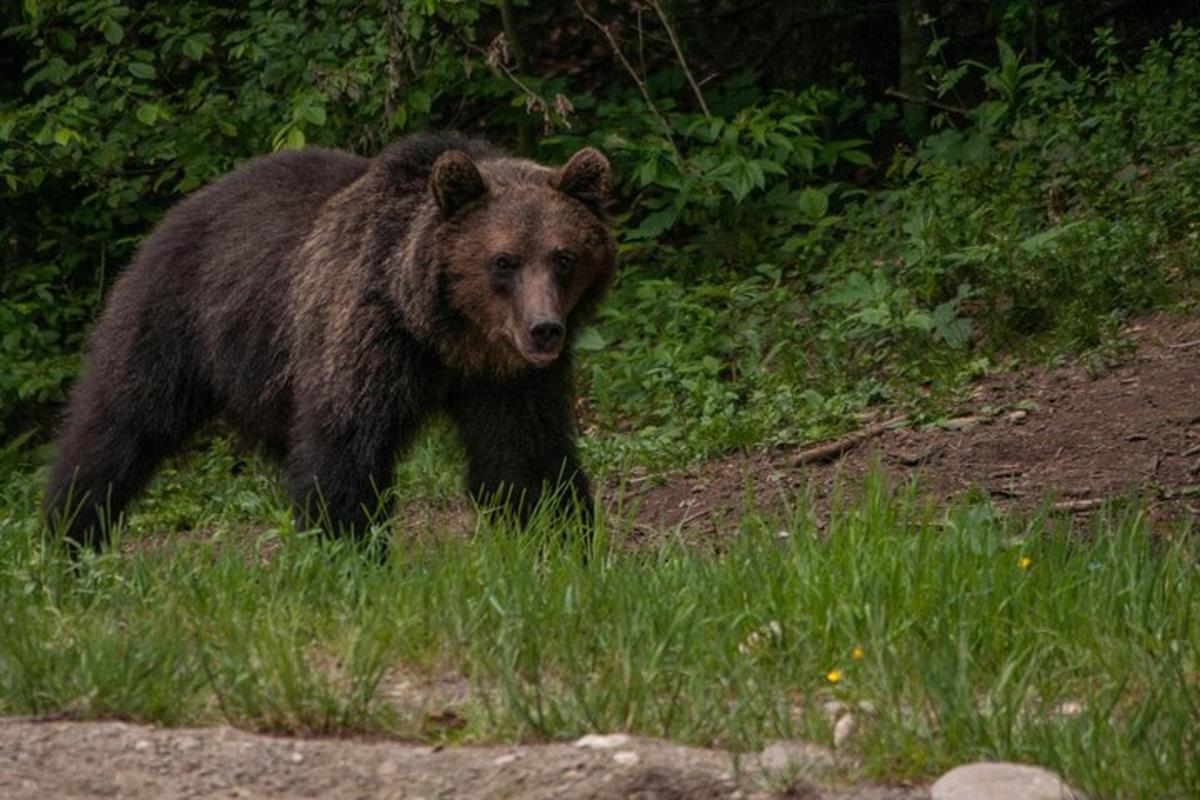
x=68, y=760
x=1060, y=433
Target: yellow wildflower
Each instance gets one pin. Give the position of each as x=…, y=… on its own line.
x=1024, y=562
x=856, y=654
x=833, y=676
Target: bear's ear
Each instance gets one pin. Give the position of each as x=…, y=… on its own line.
x=586, y=177
x=455, y=181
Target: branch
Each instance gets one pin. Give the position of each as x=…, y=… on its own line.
x=679, y=55
x=831, y=450
x=892, y=91
x=641, y=84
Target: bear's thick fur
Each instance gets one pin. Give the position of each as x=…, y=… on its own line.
x=327, y=305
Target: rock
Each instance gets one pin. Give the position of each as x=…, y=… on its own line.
x=626, y=758
x=296, y=757
x=786, y=757
x=501, y=761
x=595, y=741
x=987, y=780
x=843, y=730
x=833, y=709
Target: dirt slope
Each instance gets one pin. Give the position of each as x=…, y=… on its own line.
x=1060, y=433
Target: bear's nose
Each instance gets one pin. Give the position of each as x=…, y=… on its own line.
x=546, y=334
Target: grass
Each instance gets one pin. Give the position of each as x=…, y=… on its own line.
x=964, y=631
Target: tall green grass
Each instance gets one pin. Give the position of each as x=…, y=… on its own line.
x=964, y=632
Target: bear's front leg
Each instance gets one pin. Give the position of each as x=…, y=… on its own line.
x=340, y=466
x=519, y=437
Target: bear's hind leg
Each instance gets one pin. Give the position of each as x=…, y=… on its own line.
x=119, y=427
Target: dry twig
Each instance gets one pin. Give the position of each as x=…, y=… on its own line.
x=831, y=450
x=641, y=84
x=662, y=17
x=891, y=91
x=1075, y=506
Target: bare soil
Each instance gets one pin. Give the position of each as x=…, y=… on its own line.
x=68, y=760
x=1066, y=436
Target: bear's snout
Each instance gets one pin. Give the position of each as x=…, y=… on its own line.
x=547, y=335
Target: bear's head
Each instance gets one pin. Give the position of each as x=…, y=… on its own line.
x=521, y=253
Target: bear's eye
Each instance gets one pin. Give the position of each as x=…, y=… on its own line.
x=503, y=266
x=564, y=262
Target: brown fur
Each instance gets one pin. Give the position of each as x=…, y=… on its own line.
x=327, y=306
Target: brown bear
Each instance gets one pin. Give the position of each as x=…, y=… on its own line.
x=327, y=306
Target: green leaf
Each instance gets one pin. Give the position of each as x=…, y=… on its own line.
x=148, y=113
x=855, y=157
x=141, y=70
x=194, y=48
x=63, y=136
x=590, y=340
x=399, y=118
x=295, y=138
x=655, y=224
x=315, y=115
x=113, y=32
x=420, y=101
x=812, y=203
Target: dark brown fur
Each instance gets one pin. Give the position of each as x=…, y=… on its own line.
x=327, y=305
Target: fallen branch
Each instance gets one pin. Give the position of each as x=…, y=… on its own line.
x=831, y=450
x=1075, y=506
x=1184, y=345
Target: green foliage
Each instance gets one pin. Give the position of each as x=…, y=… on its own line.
x=765, y=296
x=1060, y=206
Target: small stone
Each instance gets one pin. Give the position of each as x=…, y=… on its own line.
x=1001, y=781
x=626, y=758
x=141, y=745
x=596, y=741
x=387, y=769
x=843, y=730
x=504, y=760
x=296, y=757
x=1070, y=708
x=833, y=709
x=1018, y=416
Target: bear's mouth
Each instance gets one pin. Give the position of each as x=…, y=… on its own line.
x=539, y=358
x=530, y=352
